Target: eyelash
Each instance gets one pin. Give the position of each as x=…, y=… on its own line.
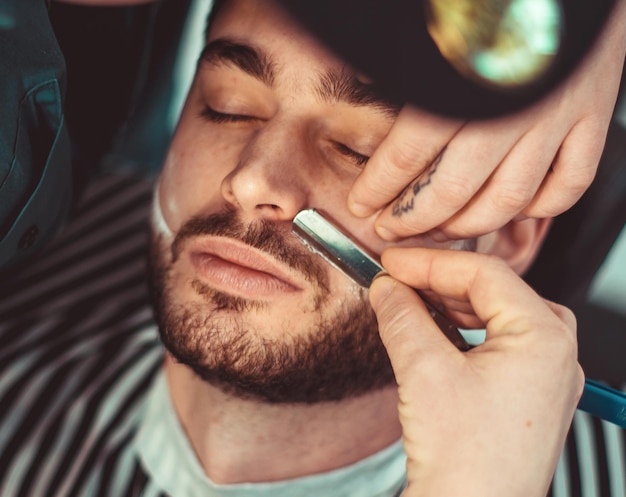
x=218, y=117
x=358, y=158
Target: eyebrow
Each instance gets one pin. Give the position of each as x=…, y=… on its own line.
x=251, y=60
x=341, y=85
x=336, y=85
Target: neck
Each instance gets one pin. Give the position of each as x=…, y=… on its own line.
x=241, y=440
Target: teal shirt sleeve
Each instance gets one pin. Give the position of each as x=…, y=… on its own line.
x=35, y=162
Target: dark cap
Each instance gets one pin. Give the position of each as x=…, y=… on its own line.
x=389, y=41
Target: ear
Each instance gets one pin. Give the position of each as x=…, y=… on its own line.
x=517, y=242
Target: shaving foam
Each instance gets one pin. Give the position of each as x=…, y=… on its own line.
x=158, y=220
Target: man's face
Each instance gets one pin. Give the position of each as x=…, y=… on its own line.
x=273, y=124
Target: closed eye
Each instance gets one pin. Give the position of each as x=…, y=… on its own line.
x=219, y=117
x=357, y=158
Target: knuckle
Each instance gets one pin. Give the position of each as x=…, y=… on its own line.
x=567, y=316
x=453, y=190
x=580, y=382
x=543, y=207
x=491, y=267
x=396, y=337
x=408, y=158
x=410, y=223
x=492, y=262
x=509, y=198
x=547, y=204
x=472, y=223
x=564, y=346
x=579, y=179
x=378, y=189
x=393, y=319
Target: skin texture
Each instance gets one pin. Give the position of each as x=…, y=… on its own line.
x=266, y=139
x=507, y=403
x=481, y=174
x=460, y=179
x=270, y=144
x=286, y=157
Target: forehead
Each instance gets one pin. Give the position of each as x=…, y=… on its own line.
x=265, y=25
x=260, y=38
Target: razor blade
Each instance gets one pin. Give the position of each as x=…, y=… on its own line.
x=326, y=240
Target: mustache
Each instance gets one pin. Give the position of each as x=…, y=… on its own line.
x=264, y=235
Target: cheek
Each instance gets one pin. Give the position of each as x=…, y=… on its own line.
x=343, y=293
x=191, y=178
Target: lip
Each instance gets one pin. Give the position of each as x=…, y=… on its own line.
x=236, y=268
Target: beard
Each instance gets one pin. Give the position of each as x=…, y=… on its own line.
x=341, y=356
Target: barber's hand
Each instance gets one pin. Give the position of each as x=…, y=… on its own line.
x=491, y=421
x=467, y=179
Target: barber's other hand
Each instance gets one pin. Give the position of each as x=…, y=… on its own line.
x=466, y=179
x=491, y=421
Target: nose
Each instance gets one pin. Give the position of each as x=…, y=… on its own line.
x=271, y=180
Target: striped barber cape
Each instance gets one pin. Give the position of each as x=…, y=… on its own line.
x=78, y=350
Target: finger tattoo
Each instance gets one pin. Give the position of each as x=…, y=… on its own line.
x=406, y=200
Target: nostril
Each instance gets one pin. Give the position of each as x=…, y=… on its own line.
x=271, y=212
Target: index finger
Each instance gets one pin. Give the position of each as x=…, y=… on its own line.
x=499, y=297
x=414, y=142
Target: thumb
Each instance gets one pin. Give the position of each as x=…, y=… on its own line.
x=405, y=326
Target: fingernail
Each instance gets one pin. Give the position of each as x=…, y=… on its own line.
x=380, y=288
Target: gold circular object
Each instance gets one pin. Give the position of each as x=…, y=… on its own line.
x=502, y=43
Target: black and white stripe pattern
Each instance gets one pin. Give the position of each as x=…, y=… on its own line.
x=78, y=350
x=593, y=463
